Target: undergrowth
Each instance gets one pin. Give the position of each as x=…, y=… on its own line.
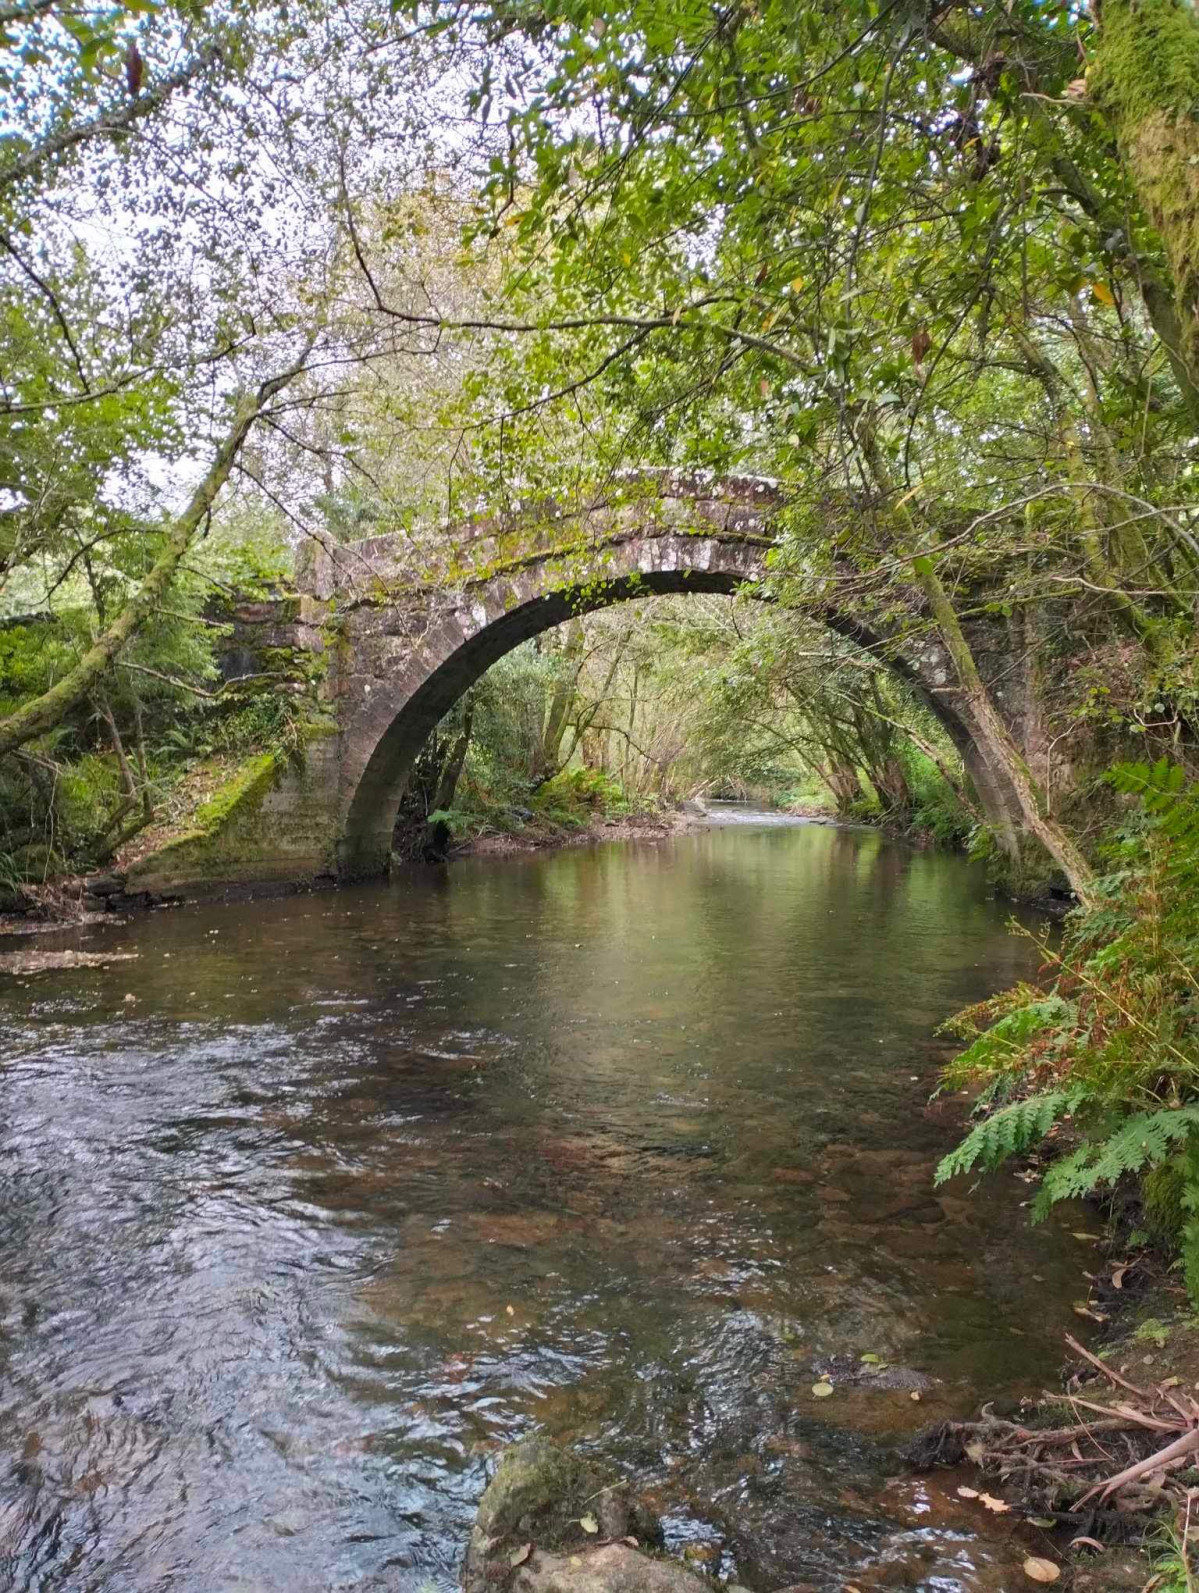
x=1100, y=1063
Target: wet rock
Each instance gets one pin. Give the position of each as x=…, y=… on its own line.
x=105, y=885
x=37, y=962
x=844, y=1371
x=938, y=1445
x=540, y=1495
x=612, y=1568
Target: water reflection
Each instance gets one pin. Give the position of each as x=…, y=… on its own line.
x=619, y=1143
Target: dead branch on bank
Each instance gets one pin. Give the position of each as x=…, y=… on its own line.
x=1119, y=1459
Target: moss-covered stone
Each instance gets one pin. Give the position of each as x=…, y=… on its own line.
x=541, y=1494
x=275, y=818
x=248, y=786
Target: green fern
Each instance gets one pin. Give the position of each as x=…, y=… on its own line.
x=1007, y=1038
x=1188, y=1245
x=1141, y=1144
x=1007, y=1132
x=1114, y=1040
x=1168, y=801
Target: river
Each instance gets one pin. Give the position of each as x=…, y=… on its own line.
x=320, y=1201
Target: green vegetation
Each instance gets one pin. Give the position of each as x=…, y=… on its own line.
x=1104, y=1060
x=277, y=279
x=641, y=708
x=930, y=269
x=123, y=758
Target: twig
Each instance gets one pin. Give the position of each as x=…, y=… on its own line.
x=1181, y=1447
x=1130, y=1416
x=1106, y=1370
x=198, y=691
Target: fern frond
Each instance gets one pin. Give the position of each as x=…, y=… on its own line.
x=1007, y=1038
x=1006, y=1132
x=1142, y=1142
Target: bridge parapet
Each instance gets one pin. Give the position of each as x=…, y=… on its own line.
x=650, y=504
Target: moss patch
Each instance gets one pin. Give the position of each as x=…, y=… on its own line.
x=250, y=784
x=273, y=817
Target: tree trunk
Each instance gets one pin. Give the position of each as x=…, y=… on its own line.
x=44, y=712
x=995, y=741
x=890, y=783
x=451, y=769
x=1044, y=70
x=562, y=700
x=843, y=781
x=1145, y=81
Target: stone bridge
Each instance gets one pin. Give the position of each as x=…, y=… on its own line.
x=399, y=632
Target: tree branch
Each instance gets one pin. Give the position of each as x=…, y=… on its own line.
x=106, y=124
x=44, y=712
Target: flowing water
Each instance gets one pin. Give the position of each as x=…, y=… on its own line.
x=310, y=1209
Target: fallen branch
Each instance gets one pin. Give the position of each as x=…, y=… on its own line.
x=1101, y=1366
x=1178, y=1450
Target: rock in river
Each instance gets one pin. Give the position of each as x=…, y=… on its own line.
x=551, y=1522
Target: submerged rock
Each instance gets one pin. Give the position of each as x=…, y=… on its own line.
x=551, y=1520
x=845, y=1371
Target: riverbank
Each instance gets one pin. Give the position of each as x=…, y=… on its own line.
x=1105, y=1466
x=77, y=901
x=74, y=901
x=659, y=825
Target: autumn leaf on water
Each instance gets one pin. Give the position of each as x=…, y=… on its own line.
x=589, y=1524
x=1038, y=1570
x=822, y=1390
x=988, y=1499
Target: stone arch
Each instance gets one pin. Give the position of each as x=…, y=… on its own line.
x=396, y=708
x=400, y=638
x=404, y=664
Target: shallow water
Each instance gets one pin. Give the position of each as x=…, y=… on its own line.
x=616, y=1143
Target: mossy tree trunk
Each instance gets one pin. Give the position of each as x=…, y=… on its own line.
x=1145, y=80
x=34, y=718
x=995, y=742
